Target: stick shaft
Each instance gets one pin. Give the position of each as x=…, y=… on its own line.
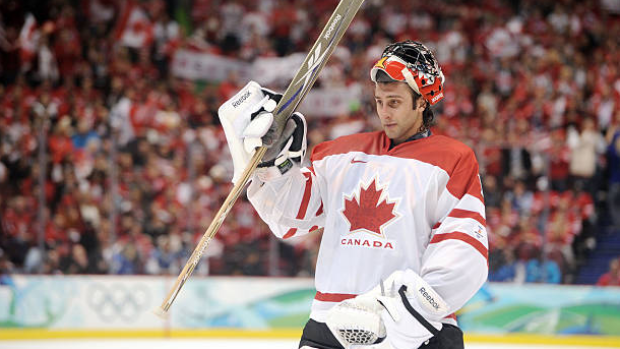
x=320, y=52
x=215, y=225
x=292, y=97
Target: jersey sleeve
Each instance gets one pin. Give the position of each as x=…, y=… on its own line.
x=290, y=205
x=455, y=262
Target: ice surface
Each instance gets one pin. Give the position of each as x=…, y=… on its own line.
x=201, y=344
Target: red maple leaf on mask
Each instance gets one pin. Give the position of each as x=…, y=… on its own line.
x=368, y=213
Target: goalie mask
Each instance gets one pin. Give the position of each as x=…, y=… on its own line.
x=413, y=63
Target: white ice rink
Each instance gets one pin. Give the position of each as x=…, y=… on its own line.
x=205, y=344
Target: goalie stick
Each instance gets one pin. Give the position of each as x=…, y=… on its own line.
x=292, y=97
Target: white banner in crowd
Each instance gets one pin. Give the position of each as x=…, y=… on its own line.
x=203, y=66
x=278, y=71
x=331, y=102
x=267, y=71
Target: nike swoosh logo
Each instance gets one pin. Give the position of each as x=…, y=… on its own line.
x=353, y=161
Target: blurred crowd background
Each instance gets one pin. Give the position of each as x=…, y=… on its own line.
x=110, y=164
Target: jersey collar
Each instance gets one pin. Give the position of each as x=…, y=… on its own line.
x=419, y=135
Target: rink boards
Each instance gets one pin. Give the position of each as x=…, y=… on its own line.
x=43, y=307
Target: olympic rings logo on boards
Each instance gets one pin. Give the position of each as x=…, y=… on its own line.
x=116, y=301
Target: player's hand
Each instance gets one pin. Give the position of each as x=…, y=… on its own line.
x=262, y=130
x=288, y=151
x=284, y=151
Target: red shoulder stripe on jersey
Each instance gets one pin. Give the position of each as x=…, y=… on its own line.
x=454, y=157
x=333, y=297
x=461, y=185
x=464, y=179
x=290, y=233
x=457, y=235
x=458, y=213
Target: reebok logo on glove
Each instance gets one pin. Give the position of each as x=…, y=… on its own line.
x=429, y=298
x=241, y=99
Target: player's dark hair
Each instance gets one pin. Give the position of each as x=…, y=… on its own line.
x=428, y=117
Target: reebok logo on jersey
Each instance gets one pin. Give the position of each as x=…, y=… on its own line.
x=241, y=99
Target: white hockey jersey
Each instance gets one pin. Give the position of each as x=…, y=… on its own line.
x=416, y=206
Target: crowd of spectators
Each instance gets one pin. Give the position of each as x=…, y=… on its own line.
x=111, y=164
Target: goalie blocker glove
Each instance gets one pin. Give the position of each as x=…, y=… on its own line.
x=248, y=122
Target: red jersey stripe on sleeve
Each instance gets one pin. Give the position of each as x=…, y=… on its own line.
x=290, y=233
x=304, y=204
x=306, y=198
x=320, y=210
x=457, y=235
x=459, y=213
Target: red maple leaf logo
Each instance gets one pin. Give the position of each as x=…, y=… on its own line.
x=367, y=213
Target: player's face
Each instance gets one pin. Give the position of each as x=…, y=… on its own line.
x=399, y=119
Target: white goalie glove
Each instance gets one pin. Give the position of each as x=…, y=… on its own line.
x=356, y=322
x=248, y=122
x=401, y=313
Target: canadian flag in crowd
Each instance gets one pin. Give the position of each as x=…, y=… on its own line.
x=28, y=38
x=134, y=29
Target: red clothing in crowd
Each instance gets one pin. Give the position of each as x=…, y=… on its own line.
x=612, y=277
x=60, y=147
x=609, y=279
